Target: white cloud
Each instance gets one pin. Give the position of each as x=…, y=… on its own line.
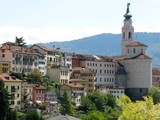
x=47, y=34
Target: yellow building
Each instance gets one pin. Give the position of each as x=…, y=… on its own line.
x=60, y=74
x=86, y=76
x=4, y=67
x=14, y=87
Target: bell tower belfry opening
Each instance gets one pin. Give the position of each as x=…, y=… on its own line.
x=127, y=31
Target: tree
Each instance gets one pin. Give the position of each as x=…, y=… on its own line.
x=93, y=115
x=11, y=115
x=20, y=41
x=4, y=101
x=139, y=110
x=154, y=92
x=33, y=115
x=35, y=77
x=66, y=106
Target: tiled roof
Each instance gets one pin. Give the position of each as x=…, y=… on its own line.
x=18, y=49
x=136, y=43
x=155, y=71
x=82, y=70
x=155, y=79
x=39, y=86
x=140, y=56
x=44, y=48
x=7, y=78
x=72, y=85
x=110, y=86
x=115, y=58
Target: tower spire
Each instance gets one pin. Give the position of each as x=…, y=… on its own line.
x=127, y=15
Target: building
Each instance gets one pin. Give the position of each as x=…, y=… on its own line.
x=103, y=66
x=14, y=87
x=117, y=91
x=4, y=67
x=136, y=66
x=75, y=90
x=51, y=100
x=27, y=95
x=156, y=77
x=39, y=92
x=59, y=74
x=85, y=76
x=68, y=59
x=22, y=59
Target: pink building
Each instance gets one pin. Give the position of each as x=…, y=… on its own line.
x=39, y=92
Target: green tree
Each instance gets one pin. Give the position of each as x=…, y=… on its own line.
x=11, y=115
x=87, y=105
x=66, y=106
x=33, y=115
x=154, y=92
x=35, y=77
x=93, y=115
x=20, y=41
x=139, y=110
x=4, y=101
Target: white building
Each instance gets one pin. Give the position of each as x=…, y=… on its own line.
x=137, y=65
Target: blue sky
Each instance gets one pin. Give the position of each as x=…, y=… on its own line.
x=62, y=20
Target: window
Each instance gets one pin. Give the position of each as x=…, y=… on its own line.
x=100, y=71
x=100, y=65
x=104, y=79
x=100, y=79
x=18, y=87
x=123, y=35
x=3, y=55
x=3, y=51
x=128, y=51
x=18, y=102
x=129, y=35
x=134, y=50
x=12, y=102
x=18, y=95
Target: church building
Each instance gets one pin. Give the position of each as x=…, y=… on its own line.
x=136, y=65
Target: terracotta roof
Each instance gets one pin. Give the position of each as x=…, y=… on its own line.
x=7, y=78
x=72, y=85
x=38, y=86
x=82, y=70
x=76, y=80
x=43, y=47
x=115, y=58
x=18, y=49
x=140, y=56
x=136, y=43
x=110, y=86
x=155, y=79
x=155, y=71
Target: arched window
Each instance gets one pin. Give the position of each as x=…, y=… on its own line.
x=134, y=50
x=123, y=35
x=129, y=35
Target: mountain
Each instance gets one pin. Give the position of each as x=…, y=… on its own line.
x=109, y=44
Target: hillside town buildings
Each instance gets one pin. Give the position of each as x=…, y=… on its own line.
x=79, y=74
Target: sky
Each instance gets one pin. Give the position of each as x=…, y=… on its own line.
x=41, y=21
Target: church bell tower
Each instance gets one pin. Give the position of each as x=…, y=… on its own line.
x=127, y=30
